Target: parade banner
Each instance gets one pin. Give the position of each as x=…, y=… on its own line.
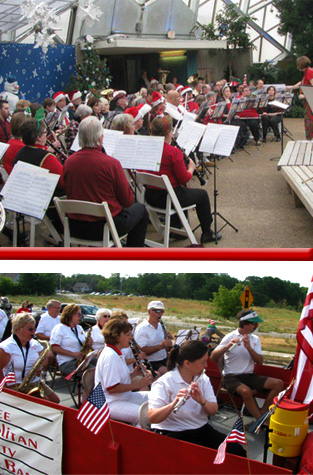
x=31, y=437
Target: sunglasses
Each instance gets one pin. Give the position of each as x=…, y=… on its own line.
x=157, y=311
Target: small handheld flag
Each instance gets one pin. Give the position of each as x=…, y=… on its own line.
x=94, y=413
x=235, y=435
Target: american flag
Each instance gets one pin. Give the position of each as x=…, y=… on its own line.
x=302, y=390
x=235, y=435
x=9, y=377
x=94, y=413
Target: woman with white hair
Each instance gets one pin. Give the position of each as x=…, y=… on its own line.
x=102, y=316
x=124, y=123
x=91, y=175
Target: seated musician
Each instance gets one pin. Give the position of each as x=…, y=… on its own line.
x=103, y=315
x=91, y=175
x=206, y=110
x=23, y=351
x=188, y=100
x=95, y=104
x=271, y=116
x=242, y=134
x=240, y=351
x=251, y=116
x=113, y=374
x=174, y=167
x=190, y=422
x=124, y=123
x=15, y=142
x=68, y=340
x=71, y=131
x=154, y=340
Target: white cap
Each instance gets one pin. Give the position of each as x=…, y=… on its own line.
x=157, y=304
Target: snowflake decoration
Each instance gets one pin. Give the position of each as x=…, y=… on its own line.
x=90, y=13
x=35, y=74
x=59, y=67
x=42, y=20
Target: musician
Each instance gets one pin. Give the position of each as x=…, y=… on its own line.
x=151, y=337
x=124, y=123
x=48, y=105
x=242, y=134
x=198, y=86
x=15, y=142
x=75, y=98
x=206, y=109
x=4, y=320
x=103, y=315
x=67, y=339
x=5, y=131
x=95, y=104
x=113, y=374
x=60, y=102
x=173, y=165
x=71, y=131
x=190, y=423
x=259, y=87
x=157, y=105
x=303, y=64
x=91, y=166
x=271, y=116
x=105, y=108
x=173, y=101
x=188, y=100
x=252, y=117
x=118, y=104
x=23, y=351
x=138, y=113
x=240, y=350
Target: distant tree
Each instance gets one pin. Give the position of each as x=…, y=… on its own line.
x=226, y=303
x=7, y=286
x=296, y=18
x=38, y=284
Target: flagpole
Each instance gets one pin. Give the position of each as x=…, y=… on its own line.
x=246, y=443
x=113, y=441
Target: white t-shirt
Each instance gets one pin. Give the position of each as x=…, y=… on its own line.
x=47, y=323
x=238, y=360
x=191, y=415
x=147, y=335
x=128, y=354
x=111, y=370
x=11, y=347
x=97, y=337
x=65, y=337
x=3, y=322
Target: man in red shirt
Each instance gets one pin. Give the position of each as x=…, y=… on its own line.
x=5, y=132
x=91, y=175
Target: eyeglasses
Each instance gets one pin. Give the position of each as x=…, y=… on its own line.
x=106, y=316
x=253, y=323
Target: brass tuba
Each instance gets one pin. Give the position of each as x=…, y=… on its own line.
x=24, y=387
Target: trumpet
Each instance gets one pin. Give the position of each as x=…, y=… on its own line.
x=182, y=400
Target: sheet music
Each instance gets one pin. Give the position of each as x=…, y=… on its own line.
x=226, y=140
x=190, y=135
x=75, y=145
x=3, y=148
x=139, y=152
x=278, y=104
x=191, y=334
x=29, y=190
x=210, y=137
x=110, y=138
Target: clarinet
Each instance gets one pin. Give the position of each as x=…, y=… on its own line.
x=146, y=362
x=182, y=400
x=163, y=328
x=186, y=160
x=138, y=361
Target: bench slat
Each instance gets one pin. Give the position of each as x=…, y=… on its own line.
x=295, y=176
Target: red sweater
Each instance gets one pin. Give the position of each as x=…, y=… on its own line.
x=5, y=131
x=173, y=165
x=8, y=157
x=91, y=175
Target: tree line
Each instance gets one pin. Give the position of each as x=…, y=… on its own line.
x=266, y=291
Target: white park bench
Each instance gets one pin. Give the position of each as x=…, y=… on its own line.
x=296, y=166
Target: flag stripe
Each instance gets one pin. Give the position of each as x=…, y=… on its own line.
x=235, y=435
x=97, y=419
x=94, y=413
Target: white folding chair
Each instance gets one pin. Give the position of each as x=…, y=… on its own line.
x=100, y=210
x=51, y=236
x=172, y=206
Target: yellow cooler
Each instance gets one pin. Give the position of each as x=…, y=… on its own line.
x=289, y=425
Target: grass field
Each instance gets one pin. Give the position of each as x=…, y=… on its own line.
x=275, y=332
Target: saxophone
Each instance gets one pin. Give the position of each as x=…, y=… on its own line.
x=24, y=387
x=85, y=348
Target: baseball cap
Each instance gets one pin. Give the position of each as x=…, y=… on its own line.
x=157, y=304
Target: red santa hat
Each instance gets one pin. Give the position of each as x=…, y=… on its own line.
x=73, y=95
x=185, y=90
x=179, y=87
x=134, y=112
x=157, y=98
x=58, y=96
x=144, y=109
x=118, y=94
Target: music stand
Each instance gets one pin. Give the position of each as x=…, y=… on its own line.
x=186, y=335
x=284, y=131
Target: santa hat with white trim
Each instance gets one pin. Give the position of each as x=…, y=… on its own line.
x=73, y=95
x=58, y=96
x=133, y=111
x=185, y=90
x=144, y=109
x=179, y=87
x=157, y=98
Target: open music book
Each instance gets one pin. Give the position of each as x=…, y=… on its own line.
x=185, y=335
x=3, y=148
x=139, y=152
x=219, y=139
x=190, y=135
x=109, y=140
x=29, y=190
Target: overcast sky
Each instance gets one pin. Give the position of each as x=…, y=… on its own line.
x=299, y=272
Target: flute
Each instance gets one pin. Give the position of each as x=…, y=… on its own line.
x=182, y=400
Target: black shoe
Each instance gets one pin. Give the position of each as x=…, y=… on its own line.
x=277, y=139
x=210, y=237
x=257, y=143
x=264, y=140
x=177, y=237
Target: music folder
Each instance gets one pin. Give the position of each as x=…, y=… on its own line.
x=308, y=94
